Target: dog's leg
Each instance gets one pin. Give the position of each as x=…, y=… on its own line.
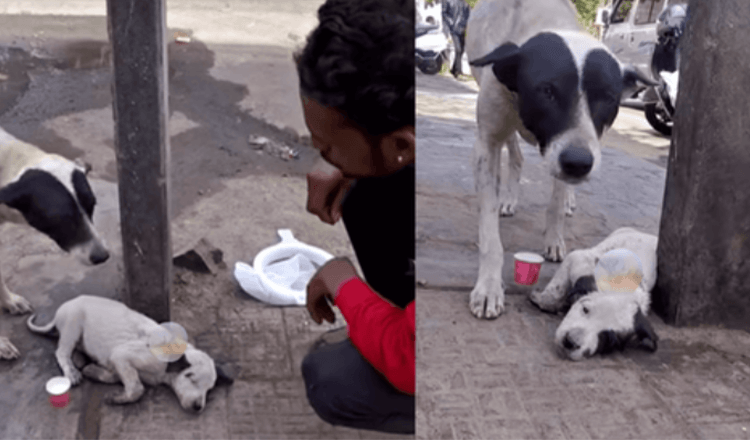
x=15, y=304
x=65, y=346
x=99, y=374
x=570, y=200
x=509, y=198
x=554, y=242
x=488, y=297
x=128, y=374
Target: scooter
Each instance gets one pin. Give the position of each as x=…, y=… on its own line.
x=431, y=47
x=660, y=100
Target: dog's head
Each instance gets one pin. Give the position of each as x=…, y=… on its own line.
x=602, y=322
x=54, y=197
x=197, y=374
x=568, y=87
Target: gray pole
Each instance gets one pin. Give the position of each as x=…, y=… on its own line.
x=140, y=106
x=704, y=236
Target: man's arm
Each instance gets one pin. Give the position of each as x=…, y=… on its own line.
x=383, y=333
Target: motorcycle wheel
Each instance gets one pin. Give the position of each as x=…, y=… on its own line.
x=659, y=119
x=431, y=67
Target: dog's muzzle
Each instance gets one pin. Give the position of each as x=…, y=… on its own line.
x=576, y=162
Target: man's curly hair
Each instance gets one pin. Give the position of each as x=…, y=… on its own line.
x=360, y=60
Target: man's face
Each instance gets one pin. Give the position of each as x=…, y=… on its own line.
x=340, y=142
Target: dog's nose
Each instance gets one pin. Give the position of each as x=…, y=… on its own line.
x=576, y=161
x=98, y=256
x=197, y=406
x=568, y=343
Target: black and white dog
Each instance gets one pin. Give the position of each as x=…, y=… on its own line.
x=54, y=196
x=599, y=322
x=542, y=77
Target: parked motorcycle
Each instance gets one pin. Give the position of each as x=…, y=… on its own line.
x=660, y=100
x=431, y=48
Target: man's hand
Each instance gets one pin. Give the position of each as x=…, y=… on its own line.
x=323, y=288
x=326, y=188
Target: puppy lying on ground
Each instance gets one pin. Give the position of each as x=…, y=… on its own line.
x=600, y=322
x=116, y=338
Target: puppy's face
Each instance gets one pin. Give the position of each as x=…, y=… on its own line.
x=599, y=323
x=55, y=198
x=193, y=383
x=569, y=88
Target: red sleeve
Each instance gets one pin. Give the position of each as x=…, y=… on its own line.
x=382, y=332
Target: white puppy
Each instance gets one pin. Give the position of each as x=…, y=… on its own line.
x=116, y=338
x=600, y=322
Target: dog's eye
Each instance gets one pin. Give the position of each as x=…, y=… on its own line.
x=189, y=375
x=548, y=92
x=585, y=310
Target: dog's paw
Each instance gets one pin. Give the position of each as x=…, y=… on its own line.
x=17, y=305
x=570, y=202
x=554, y=247
x=508, y=205
x=487, y=300
x=115, y=398
x=7, y=350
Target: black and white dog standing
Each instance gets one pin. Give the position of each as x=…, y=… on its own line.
x=542, y=77
x=54, y=196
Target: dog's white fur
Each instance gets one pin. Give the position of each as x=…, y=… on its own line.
x=491, y=24
x=116, y=338
x=599, y=311
x=16, y=157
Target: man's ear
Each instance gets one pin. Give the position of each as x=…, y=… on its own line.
x=398, y=148
x=504, y=62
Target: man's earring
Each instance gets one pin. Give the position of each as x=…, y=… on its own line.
x=400, y=159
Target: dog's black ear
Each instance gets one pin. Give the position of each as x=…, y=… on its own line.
x=582, y=287
x=609, y=341
x=504, y=62
x=222, y=377
x=644, y=332
x=178, y=365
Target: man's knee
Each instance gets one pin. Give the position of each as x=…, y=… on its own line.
x=319, y=387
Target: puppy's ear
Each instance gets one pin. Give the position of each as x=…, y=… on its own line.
x=12, y=195
x=581, y=288
x=179, y=365
x=222, y=377
x=504, y=62
x=632, y=80
x=609, y=341
x=644, y=332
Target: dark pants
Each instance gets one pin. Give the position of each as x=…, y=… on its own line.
x=342, y=387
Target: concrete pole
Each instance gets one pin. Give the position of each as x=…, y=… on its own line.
x=137, y=32
x=704, y=236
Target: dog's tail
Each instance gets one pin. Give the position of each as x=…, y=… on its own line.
x=48, y=329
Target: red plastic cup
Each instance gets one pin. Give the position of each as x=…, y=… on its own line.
x=527, y=267
x=58, y=389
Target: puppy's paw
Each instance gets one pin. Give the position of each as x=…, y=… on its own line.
x=7, y=350
x=487, y=300
x=74, y=376
x=544, y=301
x=115, y=398
x=554, y=247
x=508, y=204
x=17, y=305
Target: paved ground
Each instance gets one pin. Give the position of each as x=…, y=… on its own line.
x=234, y=79
x=502, y=378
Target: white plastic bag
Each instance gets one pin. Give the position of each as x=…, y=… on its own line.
x=280, y=273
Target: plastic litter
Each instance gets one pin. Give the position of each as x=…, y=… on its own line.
x=280, y=273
